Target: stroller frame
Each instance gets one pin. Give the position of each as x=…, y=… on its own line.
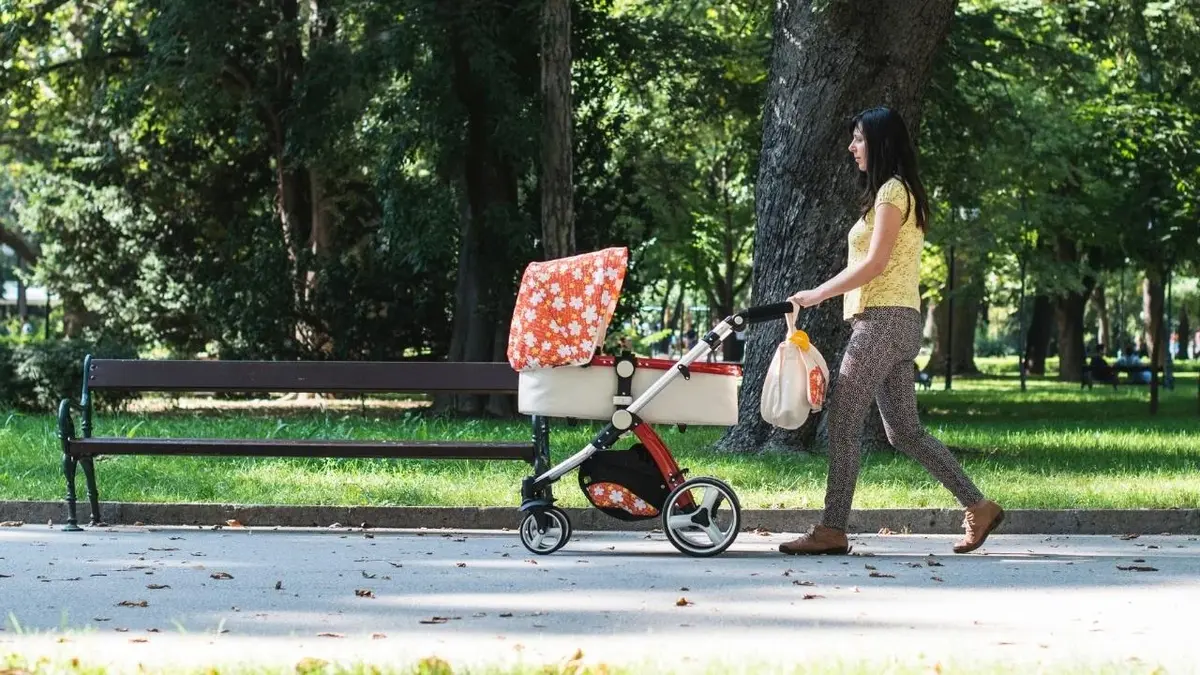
x=537, y=499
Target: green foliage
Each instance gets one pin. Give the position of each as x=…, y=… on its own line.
x=45, y=372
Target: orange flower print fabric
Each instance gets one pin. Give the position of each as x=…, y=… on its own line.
x=613, y=496
x=563, y=309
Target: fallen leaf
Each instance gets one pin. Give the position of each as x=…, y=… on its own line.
x=870, y=567
x=531, y=561
x=138, y=640
x=506, y=615
x=881, y=575
x=331, y=635
x=812, y=596
x=364, y=593
x=368, y=576
x=1152, y=546
x=797, y=582
x=683, y=602
x=101, y=618
x=917, y=565
x=234, y=523
x=1137, y=568
x=157, y=587
x=762, y=532
x=435, y=620
x=395, y=564
x=1139, y=560
x=886, y=531
x=164, y=549
x=368, y=535
x=152, y=630
x=12, y=523
x=684, y=588
x=121, y=630
x=460, y=564
x=938, y=579
x=1127, y=537
x=378, y=636
x=279, y=585
x=133, y=603
x=933, y=563
x=221, y=575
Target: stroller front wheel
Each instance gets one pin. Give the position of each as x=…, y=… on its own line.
x=702, y=517
x=546, y=531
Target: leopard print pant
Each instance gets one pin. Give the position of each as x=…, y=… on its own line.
x=878, y=363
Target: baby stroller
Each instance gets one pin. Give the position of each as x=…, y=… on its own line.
x=561, y=317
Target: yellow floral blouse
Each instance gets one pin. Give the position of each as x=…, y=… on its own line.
x=898, y=285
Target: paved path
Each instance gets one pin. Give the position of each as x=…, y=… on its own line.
x=215, y=597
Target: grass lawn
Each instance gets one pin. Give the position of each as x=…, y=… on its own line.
x=1053, y=446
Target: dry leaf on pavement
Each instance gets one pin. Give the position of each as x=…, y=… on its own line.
x=881, y=575
x=364, y=593
x=683, y=602
x=221, y=575
x=133, y=603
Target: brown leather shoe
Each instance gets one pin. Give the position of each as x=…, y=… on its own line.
x=820, y=540
x=979, y=521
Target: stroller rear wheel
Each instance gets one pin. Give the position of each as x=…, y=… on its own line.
x=702, y=517
x=547, y=536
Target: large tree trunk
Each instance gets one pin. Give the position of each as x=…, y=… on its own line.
x=829, y=61
x=558, y=210
x=485, y=285
x=1153, y=296
x=1037, y=339
x=967, y=296
x=26, y=250
x=1068, y=312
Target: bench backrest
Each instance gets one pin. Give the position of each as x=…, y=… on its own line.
x=301, y=376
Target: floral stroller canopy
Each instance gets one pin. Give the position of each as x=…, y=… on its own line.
x=563, y=309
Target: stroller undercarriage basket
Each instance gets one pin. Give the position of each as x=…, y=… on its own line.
x=625, y=484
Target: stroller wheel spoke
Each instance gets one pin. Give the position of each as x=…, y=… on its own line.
x=680, y=522
x=715, y=535
x=712, y=497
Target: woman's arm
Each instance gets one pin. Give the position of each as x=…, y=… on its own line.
x=888, y=220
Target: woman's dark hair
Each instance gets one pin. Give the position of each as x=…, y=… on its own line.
x=890, y=154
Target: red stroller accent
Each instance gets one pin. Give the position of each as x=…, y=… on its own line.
x=562, y=313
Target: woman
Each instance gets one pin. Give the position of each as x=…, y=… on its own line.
x=881, y=301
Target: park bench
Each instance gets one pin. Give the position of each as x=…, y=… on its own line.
x=1089, y=375
x=360, y=377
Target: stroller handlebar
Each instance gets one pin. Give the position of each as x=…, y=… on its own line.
x=767, y=312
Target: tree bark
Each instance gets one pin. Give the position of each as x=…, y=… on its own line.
x=558, y=210
x=828, y=62
x=1037, y=339
x=1153, y=298
x=1068, y=312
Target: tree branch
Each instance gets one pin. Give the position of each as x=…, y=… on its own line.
x=27, y=251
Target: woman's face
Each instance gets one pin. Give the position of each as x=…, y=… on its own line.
x=858, y=148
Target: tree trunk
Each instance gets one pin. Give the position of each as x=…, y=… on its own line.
x=484, y=289
x=829, y=61
x=1037, y=340
x=1153, y=294
x=1104, y=334
x=1068, y=312
x=968, y=296
x=1185, y=333
x=558, y=211
x=25, y=249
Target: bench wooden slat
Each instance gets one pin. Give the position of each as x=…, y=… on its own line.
x=288, y=447
x=303, y=376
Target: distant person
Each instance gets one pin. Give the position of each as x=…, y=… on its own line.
x=882, y=300
x=1100, y=370
x=1130, y=358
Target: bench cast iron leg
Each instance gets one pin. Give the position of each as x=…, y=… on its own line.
x=69, y=471
x=89, y=475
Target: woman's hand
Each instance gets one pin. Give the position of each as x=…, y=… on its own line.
x=807, y=298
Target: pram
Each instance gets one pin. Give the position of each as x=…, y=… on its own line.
x=553, y=342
